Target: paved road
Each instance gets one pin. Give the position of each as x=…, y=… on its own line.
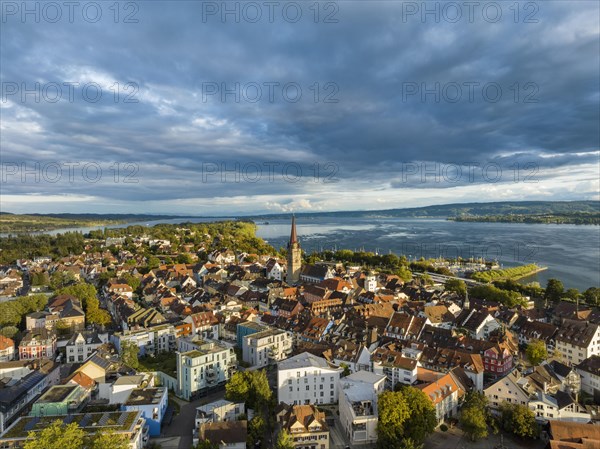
x=178, y=435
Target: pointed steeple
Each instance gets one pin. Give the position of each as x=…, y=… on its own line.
x=293, y=235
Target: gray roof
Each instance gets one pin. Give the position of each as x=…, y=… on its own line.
x=304, y=360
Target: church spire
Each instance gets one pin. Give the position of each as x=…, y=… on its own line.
x=294, y=256
x=293, y=235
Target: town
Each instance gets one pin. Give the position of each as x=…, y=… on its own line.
x=202, y=336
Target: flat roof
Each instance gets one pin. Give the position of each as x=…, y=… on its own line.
x=57, y=393
x=119, y=422
x=141, y=396
x=304, y=360
x=129, y=380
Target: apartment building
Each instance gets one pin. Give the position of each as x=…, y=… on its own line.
x=307, y=379
x=577, y=340
x=266, y=347
x=199, y=370
x=358, y=394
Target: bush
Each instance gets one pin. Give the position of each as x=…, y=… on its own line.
x=444, y=428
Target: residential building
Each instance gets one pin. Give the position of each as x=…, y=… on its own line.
x=307, y=426
x=589, y=370
x=307, y=379
x=577, y=340
x=7, y=349
x=60, y=400
x=227, y=434
x=266, y=347
x=479, y=323
x=220, y=410
x=571, y=435
x=82, y=344
x=129, y=424
x=152, y=403
x=507, y=389
x=395, y=367
x=247, y=328
x=358, y=394
x=444, y=391
x=21, y=382
x=153, y=340
x=37, y=343
x=561, y=406
x=199, y=370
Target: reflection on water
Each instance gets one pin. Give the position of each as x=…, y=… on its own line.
x=572, y=253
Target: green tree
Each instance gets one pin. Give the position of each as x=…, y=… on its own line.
x=132, y=281
x=129, y=354
x=206, y=444
x=153, y=262
x=474, y=415
x=536, y=352
x=9, y=331
x=56, y=435
x=554, y=290
x=592, y=296
x=404, y=273
x=573, y=294
x=346, y=369
x=421, y=419
x=457, y=286
x=184, y=258
x=393, y=412
x=40, y=278
x=284, y=440
x=60, y=279
x=407, y=443
x=519, y=420
x=108, y=440
x=251, y=387
x=256, y=430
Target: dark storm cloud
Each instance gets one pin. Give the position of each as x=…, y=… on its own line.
x=378, y=62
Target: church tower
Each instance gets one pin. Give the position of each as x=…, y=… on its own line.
x=294, y=256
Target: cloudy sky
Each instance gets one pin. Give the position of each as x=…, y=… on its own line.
x=208, y=108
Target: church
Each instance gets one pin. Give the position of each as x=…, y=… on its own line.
x=294, y=256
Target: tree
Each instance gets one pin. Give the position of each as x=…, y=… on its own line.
x=573, y=294
x=474, y=415
x=108, y=440
x=404, y=273
x=407, y=443
x=40, y=278
x=284, y=440
x=129, y=354
x=249, y=386
x=536, y=352
x=60, y=279
x=393, y=411
x=592, y=296
x=9, y=331
x=421, y=419
x=184, y=258
x=56, y=435
x=554, y=290
x=132, y=281
x=457, y=286
x=346, y=369
x=153, y=262
x=519, y=420
x=206, y=444
x=256, y=430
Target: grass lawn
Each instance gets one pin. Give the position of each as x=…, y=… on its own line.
x=165, y=362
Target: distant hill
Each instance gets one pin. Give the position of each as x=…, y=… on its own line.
x=464, y=209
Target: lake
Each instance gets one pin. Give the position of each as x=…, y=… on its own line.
x=571, y=252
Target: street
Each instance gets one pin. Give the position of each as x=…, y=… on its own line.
x=178, y=435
